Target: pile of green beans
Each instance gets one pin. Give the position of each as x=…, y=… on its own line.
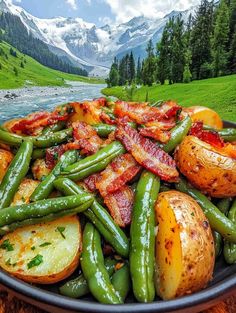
x=132, y=263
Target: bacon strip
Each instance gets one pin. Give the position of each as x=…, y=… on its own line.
x=120, y=205
x=90, y=182
x=53, y=155
x=142, y=113
x=120, y=171
x=211, y=137
x=35, y=121
x=147, y=153
x=86, y=138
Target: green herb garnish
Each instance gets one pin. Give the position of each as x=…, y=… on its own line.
x=61, y=229
x=45, y=244
x=6, y=245
x=33, y=248
x=36, y=261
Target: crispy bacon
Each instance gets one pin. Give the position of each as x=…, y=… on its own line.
x=102, y=101
x=147, y=153
x=53, y=155
x=120, y=205
x=90, y=182
x=86, y=138
x=142, y=113
x=107, y=119
x=211, y=137
x=120, y=171
x=39, y=120
x=158, y=130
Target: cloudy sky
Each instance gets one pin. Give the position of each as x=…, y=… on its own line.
x=101, y=12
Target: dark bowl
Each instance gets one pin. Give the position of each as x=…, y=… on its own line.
x=47, y=297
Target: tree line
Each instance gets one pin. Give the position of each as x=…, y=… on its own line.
x=13, y=31
x=202, y=47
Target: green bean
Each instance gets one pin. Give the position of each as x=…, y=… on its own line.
x=103, y=130
x=99, y=217
x=43, y=208
x=177, y=134
x=43, y=141
x=218, y=243
x=217, y=219
x=92, y=263
x=230, y=248
x=54, y=128
x=78, y=287
x=46, y=141
x=39, y=153
x=94, y=163
x=142, y=234
x=15, y=173
x=44, y=189
x=224, y=204
x=121, y=281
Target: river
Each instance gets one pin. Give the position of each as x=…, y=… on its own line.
x=20, y=102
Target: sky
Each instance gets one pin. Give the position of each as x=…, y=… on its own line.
x=103, y=12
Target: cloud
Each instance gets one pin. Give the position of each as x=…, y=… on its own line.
x=105, y=20
x=126, y=9
x=72, y=3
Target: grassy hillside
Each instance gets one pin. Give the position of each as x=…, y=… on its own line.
x=216, y=93
x=33, y=72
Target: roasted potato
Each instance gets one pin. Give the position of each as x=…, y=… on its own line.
x=88, y=112
x=210, y=170
x=39, y=169
x=44, y=253
x=184, y=246
x=5, y=160
x=24, y=191
x=206, y=115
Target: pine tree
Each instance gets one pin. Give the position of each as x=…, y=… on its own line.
x=149, y=67
x=163, y=52
x=232, y=37
x=178, y=49
x=139, y=72
x=201, y=39
x=220, y=39
x=131, y=68
x=113, y=79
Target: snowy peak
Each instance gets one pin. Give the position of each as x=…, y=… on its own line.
x=91, y=46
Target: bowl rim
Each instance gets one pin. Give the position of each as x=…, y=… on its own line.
x=214, y=291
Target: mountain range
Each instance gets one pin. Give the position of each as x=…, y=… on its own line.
x=88, y=46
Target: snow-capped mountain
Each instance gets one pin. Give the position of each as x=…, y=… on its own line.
x=88, y=45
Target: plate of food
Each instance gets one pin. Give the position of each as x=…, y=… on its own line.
x=118, y=206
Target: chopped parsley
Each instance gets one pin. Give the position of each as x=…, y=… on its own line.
x=36, y=261
x=55, y=156
x=192, y=213
x=33, y=248
x=8, y=262
x=61, y=229
x=6, y=245
x=45, y=244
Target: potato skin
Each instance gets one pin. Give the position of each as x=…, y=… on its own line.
x=206, y=115
x=39, y=169
x=24, y=191
x=197, y=255
x=205, y=168
x=5, y=160
x=60, y=258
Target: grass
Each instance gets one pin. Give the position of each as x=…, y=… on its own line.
x=218, y=94
x=33, y=73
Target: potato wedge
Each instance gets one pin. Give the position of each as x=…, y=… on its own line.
x=44, y=253
x=206, y=168
x=39, y=169
x=24, y=191
x=206, y=115
x=184, y=246
x=5, y=160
